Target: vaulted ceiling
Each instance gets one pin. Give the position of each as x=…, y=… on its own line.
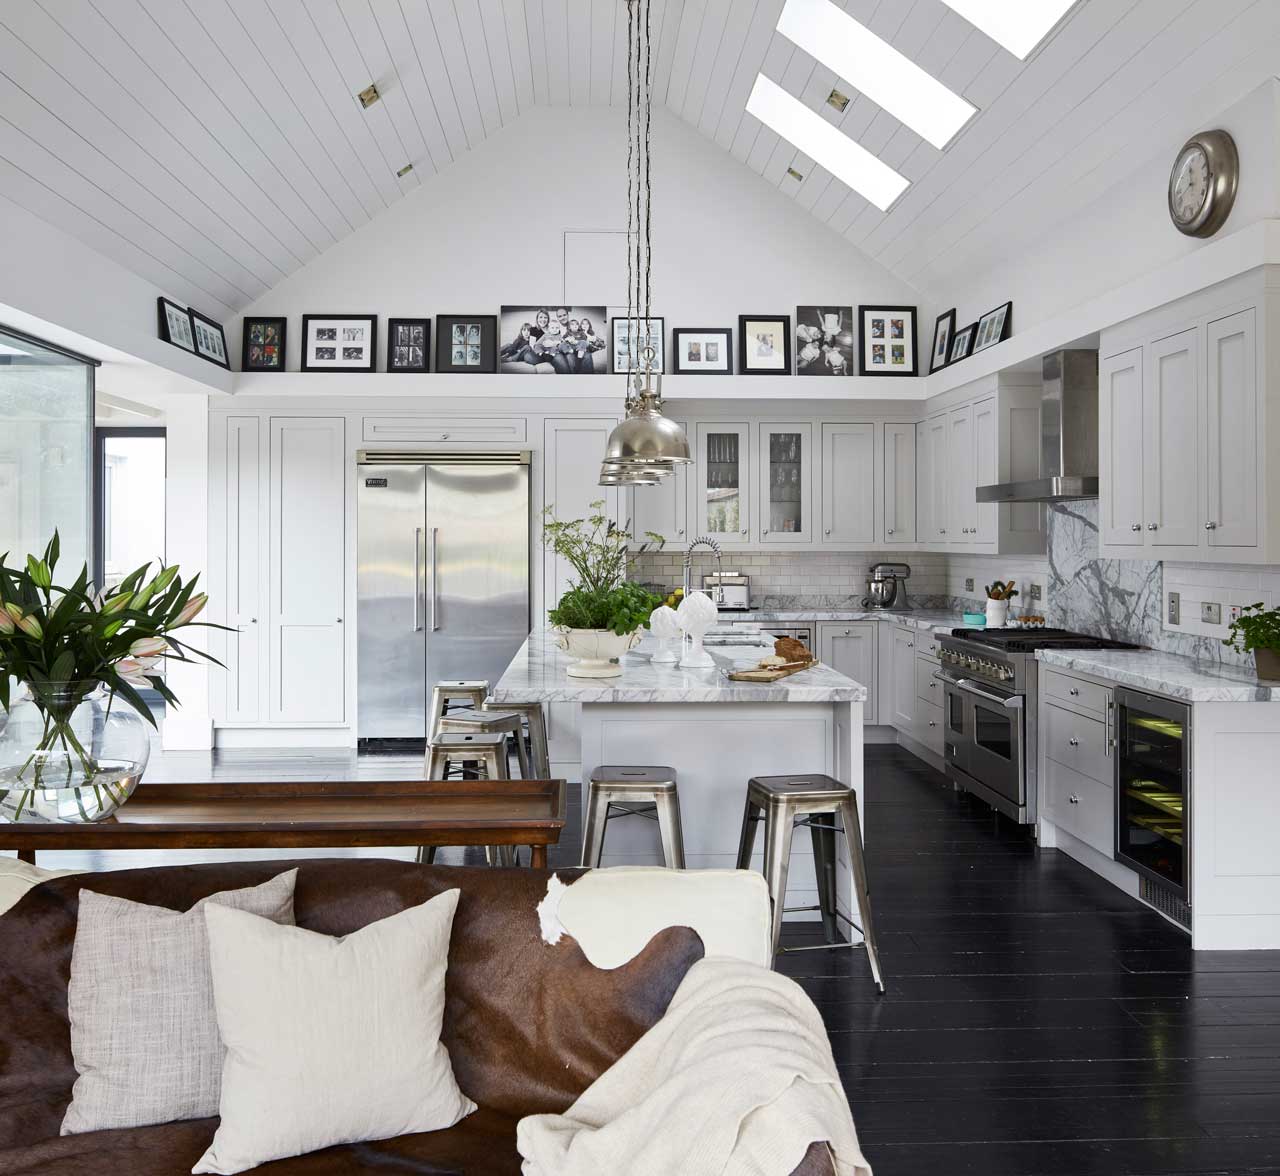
x=216, y=146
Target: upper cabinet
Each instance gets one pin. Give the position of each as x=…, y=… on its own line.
x=786, y=483
x=900, y=504
x=848, y=483
x=662, y=509
x=1231, y=425
x=722, y=498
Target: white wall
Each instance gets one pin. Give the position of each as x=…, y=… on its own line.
x=1122, y=233
x=491, y=230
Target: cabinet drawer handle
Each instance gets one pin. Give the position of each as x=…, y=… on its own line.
x=1074, y=741
x=1211, y=526
x=847, y=632
x=1073, y=800
x=1136, y=527
x=933, y=722
x=1073, y=692
x=1152, y=526
x=911, y=645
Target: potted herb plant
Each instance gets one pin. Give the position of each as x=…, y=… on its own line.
x=1257, y=628
x=601, y=614
x=74, y=745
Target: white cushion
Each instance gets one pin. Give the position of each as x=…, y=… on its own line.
x=614, y=912
x=329, y=1040
x=16, y=878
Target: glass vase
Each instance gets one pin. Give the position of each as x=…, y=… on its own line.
x=71, y=754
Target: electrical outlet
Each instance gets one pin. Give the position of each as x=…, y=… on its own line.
x=1235, y=613
x=1037, y=593
x=1211, y=613
x=1175, y=608
x=968, y=583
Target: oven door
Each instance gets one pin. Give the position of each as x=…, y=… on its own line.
x=986, y=740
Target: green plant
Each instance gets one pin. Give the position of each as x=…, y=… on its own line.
x=1257, y=627
x=598, y=551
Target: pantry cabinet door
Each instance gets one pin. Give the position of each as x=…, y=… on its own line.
x=308, y=570
x=848, y=483
x=900, y=483
x=1121, y=445
x=786, y=483
x=1171, y=485
x=245, y=570
x=722, y=506
x=963, y=507
x=902, y=670
x=1231, y=432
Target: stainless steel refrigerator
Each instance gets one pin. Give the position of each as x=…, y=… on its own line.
x=442, y=581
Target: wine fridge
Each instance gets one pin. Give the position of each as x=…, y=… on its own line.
x=1153, y=789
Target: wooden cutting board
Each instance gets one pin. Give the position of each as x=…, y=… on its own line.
x=773, y=673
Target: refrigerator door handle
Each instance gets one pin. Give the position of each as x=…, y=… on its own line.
x=434, y=623
x=417, y=577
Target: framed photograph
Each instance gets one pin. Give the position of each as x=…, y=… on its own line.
x=702, y=351
x=628, y=357
x=962, y=344
x=994, y=327
x=339, y=342
x=408, y=344
x=764, y=345
x=262, y=345
x=824, y=340
x=210, y=339
x=555, y=340
x=944, y=330
x=175, y=324
x=467, y=343
x=888, y=341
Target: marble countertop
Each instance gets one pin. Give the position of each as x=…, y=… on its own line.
x=931, y=619
x=538, y=673
x=1169, y=674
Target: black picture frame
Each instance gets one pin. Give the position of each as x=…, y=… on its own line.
x=262, y=343
x=488, y=324
x=368, y=345
x=962, y=343
x=825, y=340
x=172, y=319
x=949, y=321
x=724, y=337
x=993, y=327
x=660, y=366
x=887, y=343
x=210, y=339
x=407, y=351
x=749, y=324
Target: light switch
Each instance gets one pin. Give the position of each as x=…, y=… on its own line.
x=968, y=583
x=1175, y=608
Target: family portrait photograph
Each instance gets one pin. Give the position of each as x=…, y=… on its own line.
x=824, y=340
x=553, y=340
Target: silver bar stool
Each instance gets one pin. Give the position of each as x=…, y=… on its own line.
x=649, y=792
x=485, y=722
x=489, y=750
x=782, y=802
x=467, y=693
x=536, y=718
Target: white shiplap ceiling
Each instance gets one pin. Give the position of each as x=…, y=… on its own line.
x=216, y=146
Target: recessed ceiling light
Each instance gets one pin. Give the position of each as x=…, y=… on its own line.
x=1018, y=25
x=838, y=100
x=795, y=175
x=369, y=95
x=404, y=171
x=825, y=144
x=875, y=67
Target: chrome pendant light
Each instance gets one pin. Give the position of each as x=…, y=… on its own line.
x=647, y=446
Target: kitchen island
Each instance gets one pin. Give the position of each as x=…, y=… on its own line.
x=716, y=734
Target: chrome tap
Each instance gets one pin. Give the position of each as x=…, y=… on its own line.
x=702, y=541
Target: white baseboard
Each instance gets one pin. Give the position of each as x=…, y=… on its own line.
x=284, y=737
x=183, y=731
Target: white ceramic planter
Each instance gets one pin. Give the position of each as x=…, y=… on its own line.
x=597, y=653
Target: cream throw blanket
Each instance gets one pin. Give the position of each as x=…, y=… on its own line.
x=736, y=1080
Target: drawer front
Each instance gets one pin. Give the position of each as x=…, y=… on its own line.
x=927, y=645
x=1074, y=692
x=1084, y=807
x=929, y=726
x=928, y=688
x=1077, y=742
x=495, y=430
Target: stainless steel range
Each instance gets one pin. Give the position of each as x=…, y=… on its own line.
x=992, y=698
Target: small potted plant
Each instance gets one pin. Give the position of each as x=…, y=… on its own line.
x=1257, y=628
x=601, y=614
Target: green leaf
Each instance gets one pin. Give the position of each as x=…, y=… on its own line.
x=63, y=667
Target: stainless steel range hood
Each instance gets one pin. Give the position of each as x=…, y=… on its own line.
x=1068, y=435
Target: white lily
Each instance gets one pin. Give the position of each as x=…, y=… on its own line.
x=191, y=609
x=148, y=646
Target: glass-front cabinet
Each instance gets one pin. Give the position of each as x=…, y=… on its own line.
x=786, y=483
x=662, y=509
x=722, y=509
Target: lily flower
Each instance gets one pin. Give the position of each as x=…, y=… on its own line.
x=31, y=627
x=191, y=609
x=6, y=622
x=117, y=603
x=14, y=610
x=135, y=670
x=147, y=646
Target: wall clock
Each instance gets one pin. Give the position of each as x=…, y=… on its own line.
x=1203, y=182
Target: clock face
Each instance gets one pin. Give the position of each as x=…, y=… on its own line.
x=1189, y=184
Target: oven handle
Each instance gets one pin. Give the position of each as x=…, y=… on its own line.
x=1013, y=702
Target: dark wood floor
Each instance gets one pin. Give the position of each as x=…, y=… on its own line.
x=1038, y=1022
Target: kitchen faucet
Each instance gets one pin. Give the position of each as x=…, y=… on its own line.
x=702, y=541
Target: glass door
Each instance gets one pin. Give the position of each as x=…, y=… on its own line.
x=130, y=476
x=786, y=483
x=1152, y=786
x=723, y=509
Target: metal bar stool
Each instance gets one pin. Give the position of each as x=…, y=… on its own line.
x=470, y=694
x=535, y=717
x=485, y=722
x=782, y=802
x=648, y=792
x=489, y=749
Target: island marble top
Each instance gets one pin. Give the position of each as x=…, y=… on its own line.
x=1169, y=674
x=538, y=673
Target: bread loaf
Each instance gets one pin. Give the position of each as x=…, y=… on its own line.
x=791, y=649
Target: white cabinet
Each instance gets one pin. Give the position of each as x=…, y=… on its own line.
x=925, y=527
x=1171, y=491
x=307, y=598
x=722, y=506
x=786, y=483
x=572, y=447
x=1120, y=438
x=986, y=465
x=963, y=474
x=245, y=558
x=848, y=483
x=938, y=478
x=1231, y=429
x=662, y=509
x=899, y=483
x=850, y=648
x=902, y=678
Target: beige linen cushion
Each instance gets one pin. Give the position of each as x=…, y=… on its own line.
x=144, y=1032
x=330, y=1040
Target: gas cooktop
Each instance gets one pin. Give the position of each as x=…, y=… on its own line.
x=1029, y=640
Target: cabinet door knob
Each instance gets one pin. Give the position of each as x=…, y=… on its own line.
x=680, y=531
x=933, y=722
x=744, y=532
x=1073, y=799
x=1211, y=526
x=253, y=620
x=847, y=632
x=1074, y=741
x=339, y=620
x=889, y=531
x=911, y=645
x=1151, y=526
x=943, y=531
x=827, y=531
x=444, y=436
x=765, y=532
x=1136, y=527
x=1073, y=692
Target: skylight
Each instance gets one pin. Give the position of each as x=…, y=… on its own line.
x=1018, y=25
x=875, y=67
x=825, y=144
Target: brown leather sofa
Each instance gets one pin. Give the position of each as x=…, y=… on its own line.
x=528, y=1025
